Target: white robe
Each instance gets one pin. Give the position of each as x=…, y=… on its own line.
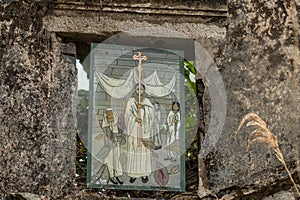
x=173, y=128
x=113, y=159
x=156, y=128
x=173, y=132
x=139, y=158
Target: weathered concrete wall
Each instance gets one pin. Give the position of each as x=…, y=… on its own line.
x=185, y=9
x=36, y=116
x=206, y=19
x=37, y=83
x=108, y=26
x=258, y=78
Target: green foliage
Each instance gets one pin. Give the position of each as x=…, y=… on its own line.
x=82, y=130
x=191, y=108
x=191, y=125
x=189, y=69
x=81, y=158
x=190, y=66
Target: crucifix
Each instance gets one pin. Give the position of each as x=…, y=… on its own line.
x=139, y=57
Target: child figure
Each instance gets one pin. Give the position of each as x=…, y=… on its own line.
x=173, y=122
x=157, y=119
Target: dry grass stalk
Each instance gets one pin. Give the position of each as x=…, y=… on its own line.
x=262, y=134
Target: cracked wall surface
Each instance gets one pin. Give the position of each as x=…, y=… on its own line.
x=259, y=77
x=37, y=119
x=253, y=48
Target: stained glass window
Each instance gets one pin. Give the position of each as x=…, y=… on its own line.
x=136, y=118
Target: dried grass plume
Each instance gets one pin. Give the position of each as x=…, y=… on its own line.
x=261, y=134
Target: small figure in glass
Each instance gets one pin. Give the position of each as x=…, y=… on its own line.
x=173, y=122
x=157, y=121
x=110, y=128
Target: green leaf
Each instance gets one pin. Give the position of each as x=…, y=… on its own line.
x=190, y=66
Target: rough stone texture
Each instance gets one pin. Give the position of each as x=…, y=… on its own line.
x=258, y=78
x=38, y=80
x=94, y=19
x=183, y=8
x=36, y=115
x=283, y=195
x=92, y=25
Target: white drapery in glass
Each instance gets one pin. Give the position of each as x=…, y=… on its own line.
x=120, y=88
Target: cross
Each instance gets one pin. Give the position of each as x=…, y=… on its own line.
x=140, y=58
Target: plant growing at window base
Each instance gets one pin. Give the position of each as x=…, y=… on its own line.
x=262, y=134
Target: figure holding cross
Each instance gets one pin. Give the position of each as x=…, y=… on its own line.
x=139, y=126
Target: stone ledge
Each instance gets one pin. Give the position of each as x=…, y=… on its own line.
x=142, y=8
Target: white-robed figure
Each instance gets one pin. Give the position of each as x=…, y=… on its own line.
x=139, y=127
x=156, y=126
x=110, y=128
x=173, y=122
